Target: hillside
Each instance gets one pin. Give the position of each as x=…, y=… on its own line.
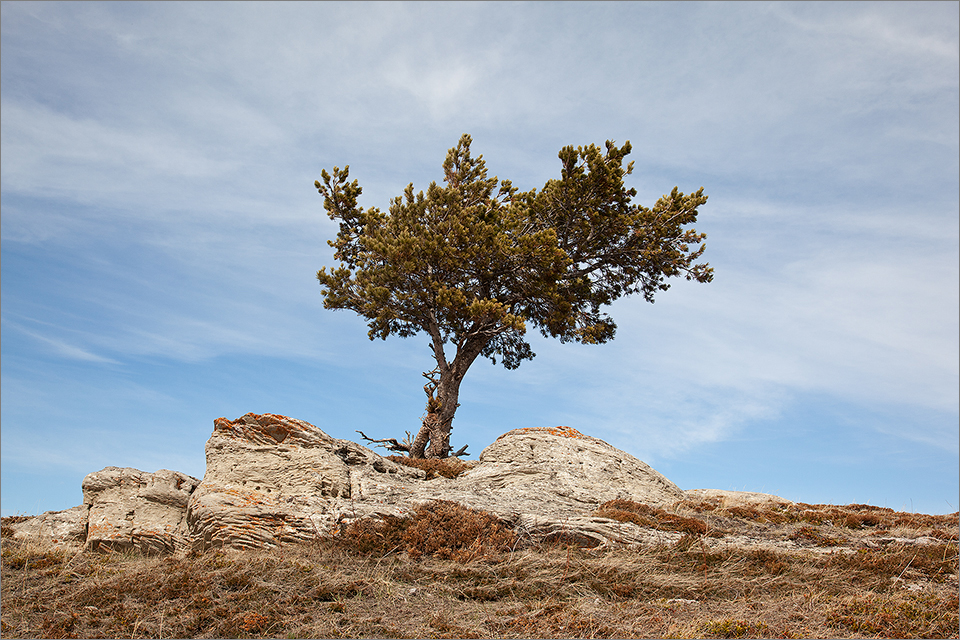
x=708, y=568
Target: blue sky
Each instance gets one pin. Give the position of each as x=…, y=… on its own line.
x=161, y=232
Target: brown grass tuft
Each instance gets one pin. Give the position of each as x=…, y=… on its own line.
x=649, y=516
x=446, y=467
x=441, y=528
x=811, y=534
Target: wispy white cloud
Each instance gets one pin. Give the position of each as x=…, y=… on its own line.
x=38, y=139
x=59, y=346
x=892, y=27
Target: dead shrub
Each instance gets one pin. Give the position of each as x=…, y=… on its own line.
x=449, y=530
x=645, y=515
x=921, y=521
x=691, y=526
x=556, y=621
x=747, y=513
x=853, y=521
x=571, y=623
x=325, y=588
x=253, y=622
x=859, y=516
x=685, y=543
x=446, y=467
x=483, y=594
x=699, y=505
x=442, y=528
x=332, y=592
x=935, y=560
x=237, y=580
x=567, y=539
x=610, y=582
x=367, y=536
x=448, y=629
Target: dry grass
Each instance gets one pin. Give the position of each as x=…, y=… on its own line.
x=441, y=528
x=852, y=517
x=449, y=572
x=446, y=467
x=652, y=517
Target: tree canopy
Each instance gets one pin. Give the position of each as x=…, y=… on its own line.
x=473, y=262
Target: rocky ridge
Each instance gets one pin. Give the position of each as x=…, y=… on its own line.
x=271, y=479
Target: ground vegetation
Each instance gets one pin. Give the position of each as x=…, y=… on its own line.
x=450, y=572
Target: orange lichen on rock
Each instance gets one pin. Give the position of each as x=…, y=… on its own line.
x=267, y=428
x=566, y=432
x=244, y=498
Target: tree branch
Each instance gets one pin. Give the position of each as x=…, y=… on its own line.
x=433, y=328
x=391, y=443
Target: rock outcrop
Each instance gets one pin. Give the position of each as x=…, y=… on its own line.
x=562, y=472
x=546, y=481
x=128, y=508
x=727, y=499
x=271, y=479
x=65, y=527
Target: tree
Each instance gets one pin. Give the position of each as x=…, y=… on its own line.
x=473, y=262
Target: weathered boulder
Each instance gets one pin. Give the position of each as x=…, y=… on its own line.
x=61, y=528
x=129, y=508
x=562, y=472
x=273, y=479
x=548, y=481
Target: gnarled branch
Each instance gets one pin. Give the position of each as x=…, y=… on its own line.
x=391, y=443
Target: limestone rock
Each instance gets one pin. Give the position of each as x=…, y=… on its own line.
x=273, y=479
x=726, y=499
x=129, y=508
x=560, y=470
x=590, y=531
x=61, y=528
x=549, y=475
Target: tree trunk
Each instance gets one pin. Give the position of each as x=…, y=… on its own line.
x=440, y=410
x=439, y=436
x=438, y=423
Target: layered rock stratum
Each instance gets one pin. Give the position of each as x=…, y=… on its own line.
x=271, y=479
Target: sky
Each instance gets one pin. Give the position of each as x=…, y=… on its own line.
x=161, y=231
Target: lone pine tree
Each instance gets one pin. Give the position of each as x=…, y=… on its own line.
x=473, y=262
